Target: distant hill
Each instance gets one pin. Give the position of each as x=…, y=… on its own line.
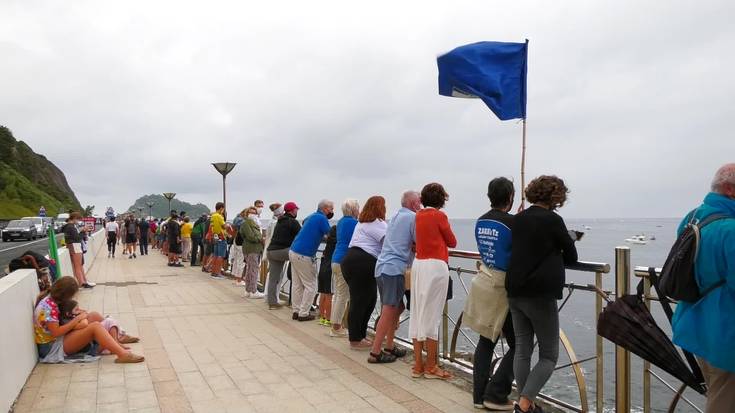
x=160, y=207
x=29, y=180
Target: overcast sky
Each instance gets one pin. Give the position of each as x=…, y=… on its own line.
x=630, y=102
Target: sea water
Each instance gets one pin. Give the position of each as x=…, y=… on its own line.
x=578, y=318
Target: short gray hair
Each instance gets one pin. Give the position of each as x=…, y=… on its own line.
x=351, y=207
x=409, y=196
x=324, y=203
x=724, y=175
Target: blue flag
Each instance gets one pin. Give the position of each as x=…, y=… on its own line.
x=492, y=71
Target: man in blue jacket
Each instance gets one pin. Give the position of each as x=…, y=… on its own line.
x=303, y=259
x=706, y=328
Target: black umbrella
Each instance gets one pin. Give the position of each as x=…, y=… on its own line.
x=628, y=323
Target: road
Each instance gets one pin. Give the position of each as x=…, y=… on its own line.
x=10, y=249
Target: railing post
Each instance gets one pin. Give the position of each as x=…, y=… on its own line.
x=622, y=356
x=445, y=331
x=600, y=351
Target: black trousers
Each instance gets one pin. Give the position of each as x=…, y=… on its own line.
x=358, y=269
x=111, y=241
x=143, y=244
x=497, y=388
x=196, y=245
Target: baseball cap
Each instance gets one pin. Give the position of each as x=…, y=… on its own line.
x=290, y=206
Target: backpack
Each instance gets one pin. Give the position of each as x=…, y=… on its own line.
x=677, y=276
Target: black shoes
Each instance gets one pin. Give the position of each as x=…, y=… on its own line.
x=305, y=318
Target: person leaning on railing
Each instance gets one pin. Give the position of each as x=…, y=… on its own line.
x=430, y=280
x=345, y=227
x=707, y=328
x=540, y=248
x=358, y=269
x=284, y=233
x=486, y=307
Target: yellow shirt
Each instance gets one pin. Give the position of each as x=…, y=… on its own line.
x=217, y=222
x=186, y=229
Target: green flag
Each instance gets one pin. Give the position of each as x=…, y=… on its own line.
x=53, y=251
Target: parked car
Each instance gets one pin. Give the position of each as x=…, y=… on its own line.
x=20, y=229
x=60, y=222
x=38, y=222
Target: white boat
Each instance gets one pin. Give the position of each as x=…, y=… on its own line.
x=637, y=239
x=587, y=227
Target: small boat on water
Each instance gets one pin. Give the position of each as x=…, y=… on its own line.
x=637, y=239
x=587, y=227
x=652, y=238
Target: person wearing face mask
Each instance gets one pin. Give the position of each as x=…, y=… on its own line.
x=258, y=204
x=284, y=232
x=303, y=262
x=73, y=241
x=252, y=248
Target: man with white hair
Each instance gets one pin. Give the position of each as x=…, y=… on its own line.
x=706, y=327
x=390, y=269
x=303, y=259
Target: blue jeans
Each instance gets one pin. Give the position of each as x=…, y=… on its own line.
x=220, y=248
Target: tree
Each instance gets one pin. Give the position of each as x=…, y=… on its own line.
x=88, y=211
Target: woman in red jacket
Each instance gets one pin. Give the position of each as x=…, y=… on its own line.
x=430, y=280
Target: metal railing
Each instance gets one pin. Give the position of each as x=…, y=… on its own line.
x=623, y=272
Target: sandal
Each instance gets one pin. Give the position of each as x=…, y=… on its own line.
x=129, y=357
x=381, y=358
x=417, y=374
x=126, y=339
x=398, y=352
x=437, y=373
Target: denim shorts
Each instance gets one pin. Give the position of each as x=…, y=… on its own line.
x=391, y=289
x=220, y=248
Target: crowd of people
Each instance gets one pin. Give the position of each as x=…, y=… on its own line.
x=404, y=261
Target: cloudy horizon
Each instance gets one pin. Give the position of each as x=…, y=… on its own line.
x=627, y=101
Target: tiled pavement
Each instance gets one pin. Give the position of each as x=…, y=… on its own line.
x=208, y=349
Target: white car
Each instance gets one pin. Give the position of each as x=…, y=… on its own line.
x=38, y=223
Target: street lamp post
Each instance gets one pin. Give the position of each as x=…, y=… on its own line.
x=224, y=168
x=140, y=212
x=169, y=196
x=150, y=208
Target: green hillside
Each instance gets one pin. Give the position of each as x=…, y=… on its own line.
x=160, y=207
x=29, y=180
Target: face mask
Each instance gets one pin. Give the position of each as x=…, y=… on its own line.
x=330, y=215
x=259, y=209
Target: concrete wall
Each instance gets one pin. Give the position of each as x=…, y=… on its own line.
x=18, y=292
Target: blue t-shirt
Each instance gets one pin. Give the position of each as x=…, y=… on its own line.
x=345, y=227
x=493, y=236
x=397, y=250
x=316, y=226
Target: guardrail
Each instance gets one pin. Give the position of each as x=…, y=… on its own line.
x=623, y=272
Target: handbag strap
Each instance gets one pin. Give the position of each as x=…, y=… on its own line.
x=666, y=305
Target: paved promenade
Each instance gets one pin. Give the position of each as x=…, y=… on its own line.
x=208, y=349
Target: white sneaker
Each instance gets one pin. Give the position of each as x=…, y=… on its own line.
x=91, y=283
x=241, y=283
x=247, y=295
x=257, y=295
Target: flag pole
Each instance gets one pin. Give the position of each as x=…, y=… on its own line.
x=523, y=167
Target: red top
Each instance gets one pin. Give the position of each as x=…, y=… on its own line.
x=433, y=235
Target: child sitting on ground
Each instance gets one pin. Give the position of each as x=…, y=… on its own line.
x=69, y=309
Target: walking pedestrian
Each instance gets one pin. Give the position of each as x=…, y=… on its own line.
x=540, y=248
x=131, y=237
x=430, y=280
x=284, y=233
x=303, y=262
x=358, y=270
x=324, y=281
x=345, y=228
x=113, y=231
x=390, y=269
x=252, y=248
x=706, y=328
x=144, y=232
x=486, y=308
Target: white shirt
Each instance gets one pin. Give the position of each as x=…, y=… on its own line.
x=369, y=236
x=112, y=227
